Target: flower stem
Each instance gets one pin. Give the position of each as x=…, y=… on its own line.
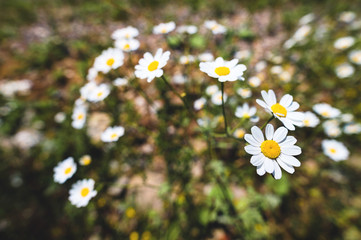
x=224, y=111
x=176, y=93
x=268, y=121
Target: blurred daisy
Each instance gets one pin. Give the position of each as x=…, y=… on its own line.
x=276, y=150
x=344, y=43
x=239, y=133
x=352, y=128
x=247, y=112
x=199, y=103
x=344, y=70
x=190, y=29
x=112, y=134
x=335, y=150
x=87, y=89
x=92, y=74
x=125, y=33
x=301, y=33
x=164, y=28
x=186, y=59
x=284, y=110
x=332, y=128
x=285, y=76
x=120, y=82
x=179, y=78
x=244, y=92
x=206, y=57
x=78, y=117
x=277, y=70
x=150, y=67
x=326, y=111
x=112, y=58
x=81, y=192
x=223, y=70
x=310, y=120
x=347, y=16
x=217, y=98
x=215, y=27
x=127, y=45
x=306, y=19
x=212, y=89
x=260, y=66
x=355, y=57
x=99, y=93
x=243, y=55
x=254, y=81
x=64, y=170
x=60, y=117
x=347, y=117
x=85, y=160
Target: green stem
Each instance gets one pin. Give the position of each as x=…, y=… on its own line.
x=268, y=121
x=224, y=111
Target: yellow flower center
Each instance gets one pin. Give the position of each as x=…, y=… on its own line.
x=110, y=62
x=126, y=46
x=164, y=30
x=222, y=71
x=84, y=192
x=306, y=122
x=80, y=116
x=270, y=149
x=214, y=27
x=130, y=212
x=153, y=66
x=240, y=133
x=325, y=114
x=279, y=110
x=100, y=94
x=332, y=150
x=246, y=115
x=86, y=160
x=356, y=58
x=67, y=170
x=114, y=135
x=127, y=35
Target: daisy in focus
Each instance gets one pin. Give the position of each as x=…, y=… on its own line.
x=150, y=67
x=344, y=43
x=81, y=192
x=85, y=160
x=310, y=120
x=215, y=27
x=112, y=134
x=326, y=111
x=125, y=33
x=64, y=170
x=223, y=70
x=127, y=45
x=284, y=110
x=109, y=59
x=277, y=150
x=247, y=112
x=164, y=28
x=335, y=150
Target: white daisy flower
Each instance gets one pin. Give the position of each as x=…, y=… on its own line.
x=99, y=93
x=254, y=81
x=223, y=70
x=239, y=133
x=352, y=128
x=326, y=111
x=289, y=43
x=215, y=27
x=310, y=120
x=112, y=134
x=85, y=160
x=125, y=33
x=79, y=117
x=285, y=76
x=92, y=74
x=247, y=112
x=212, y=89
x=302, y=32
x=347, y=117
x=347, y=16
x=243, y=55
x=244, y=92
x=205, y=57
x=199, y=103
x=119, y=82
x=150, y=67
x=344, y=43
x=355, y=57
x=332, y=128
x=217, y=98
x=306, y=19
x=64, y=170
x=187, y=59
x=190, y=29
x=277, y=70
x=179, y=78
x=60, y=117
x=127, y=45
x=335, y=150
x=276, y=150
x=109, y=59
x=87, y=89
x=81, y=192
x=164, y=28
x=344, y=70
x=284, y=110
x=260, y=66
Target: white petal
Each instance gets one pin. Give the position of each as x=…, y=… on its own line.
x=266, y=98
x=277, y=174
x=298, y=116
x=290, y=160
x=280, y=134
x=268, y=165
x=261, y=103
x=285, y=166
x=272, y=97
x=257, y=134
x=288, y=123
x=291, y=150
x=260, y=170
x=252, y=149
x=289, y=141
x=269, y=131
x=294, y=106
x=286, y=100
x=250, y=139
x=257, y=160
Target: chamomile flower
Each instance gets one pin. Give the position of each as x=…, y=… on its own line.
x=247, y=112
x=118, y=82
x=211, y=89
x=254, y=81
x=85, y=160
x=112, y=134
x=112, y=58
x=335, y=150
x=190, y=29
x=302, y=32
x=199, y=103
x=217, y=98
x=127, y=45
x=344, y=43
x=179, y=78
x=150, y=67
x=355, y=57
x=125, y=33
x=260, y=66
x=347, y=16
x=352, y=128
x=99, y=93
x=306, y=19
x=347, y=117
x=344, y=70
x=276, y=150
x=79, y=117
x=244, y=92
x=239, y=133
x=284, y=110
x=81, y=192
x=92, y=74
x=332, y=128
x=310, y=120
x=164, y=28
x=64, y=170
x=206, y=57
x=215, y=27
x=326, y=111
x=187, y=59
x=243, y=55
x=223, y=70
x=86, y=90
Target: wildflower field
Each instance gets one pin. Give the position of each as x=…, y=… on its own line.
x=151, y=120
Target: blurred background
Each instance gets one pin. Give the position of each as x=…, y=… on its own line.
x=157, y=182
